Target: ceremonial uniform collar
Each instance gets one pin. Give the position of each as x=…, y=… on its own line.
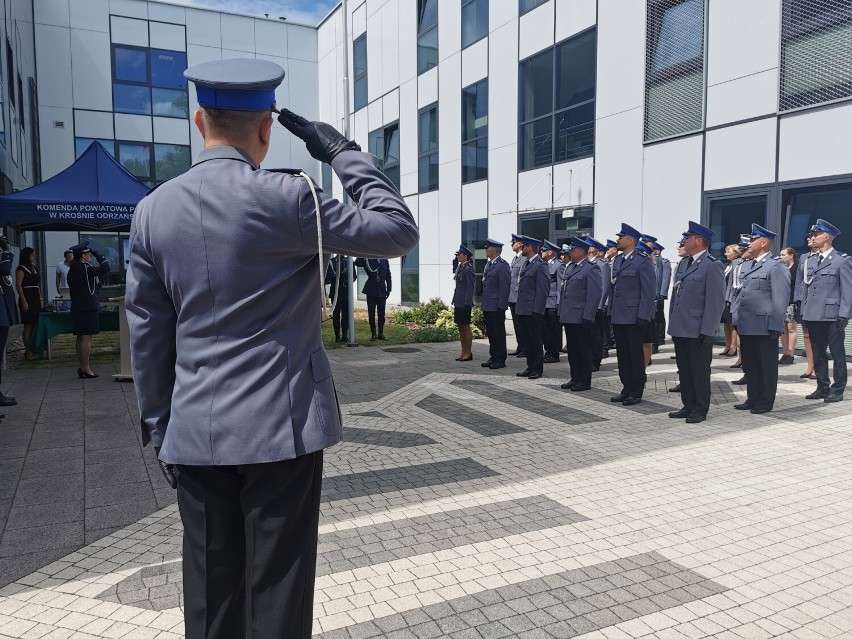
x=223, y=153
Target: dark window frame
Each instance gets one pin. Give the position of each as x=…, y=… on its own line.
x=465, y=4
x=358, y=78
x=475, y=139
x=153, y=179
x=384, y=165
x=148, y=84
x=427, y=154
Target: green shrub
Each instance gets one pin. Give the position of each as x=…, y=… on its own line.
x=477, y=319
x=425, y=314
x=435, y=334
x=403, y=317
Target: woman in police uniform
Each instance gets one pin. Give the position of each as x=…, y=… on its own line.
x=465, y=277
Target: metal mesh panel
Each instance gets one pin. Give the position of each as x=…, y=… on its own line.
x=674, y=68
x=816, y=52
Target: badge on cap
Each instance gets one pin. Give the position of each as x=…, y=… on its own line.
x=241, y=84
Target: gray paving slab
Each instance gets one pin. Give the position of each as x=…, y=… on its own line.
x=480, y=423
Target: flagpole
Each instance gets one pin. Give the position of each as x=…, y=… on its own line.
x=346, y=132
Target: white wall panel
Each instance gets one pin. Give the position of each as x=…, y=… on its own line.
x=474, y=62
x=59, y=141
x=168, y=36
x=196, y=54
x=621, y=56
x=93, y=124
x=449, y=110
x=390, y=46
x=449, y=28
x=574, y=16
x=279, y=150
x=407, y=41
x=475, y=201
x=162, y=12
x=91, y=14
x=672, y=189
x=433, y=265
x=129, y=31
x=54, y=79
x=360, y=127
x=130, y=8
x=408, y=136
x=204, y=28
x=52, y=12
x=133, y=127
x=431, y=279
x=536, y=30
x=91, y=70
x=270, y=37
x=573, y=183
x=237, y=33
x=375, y=81
x=359, y=20
x=449, y=205
x=740, y=155
x=502, y=181
x=390, y=107
x=301, y=42
x=171, y=131
x=618, y=168
x=534, y=189
x=427, y=88
x=503, y=81
x=501, y=13
x=743, y=98
x=810, y=143
x=743, y=38
x=375, y=118
x=303, y=87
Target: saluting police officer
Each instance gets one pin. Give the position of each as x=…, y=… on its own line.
x=826, y=309
x=551, y=331
x=698, y=298
x=601, y=326
x=377, y=288
x=233, y=384
x=496, y=282
x=758, y=316
x=515, y=269
x=533, y=289
x=578, y=307
x=337, y=276
x=634, y=287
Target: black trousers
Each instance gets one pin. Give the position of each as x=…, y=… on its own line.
x=580, y=352
x=4, y=336
x=631, y=358
x=551, y=332
x=600, y=329
x=250, y=548
x=340, y=314
x=693, y=365
x=495, y=326
x=826, y=335
x=515, y=327
x=660, y=321
x=376, y=303
x=530, y=335
x=760, y=365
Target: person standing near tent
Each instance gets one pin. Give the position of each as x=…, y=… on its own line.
x=30, y=299
x=82, y=280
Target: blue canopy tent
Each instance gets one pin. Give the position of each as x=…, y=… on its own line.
x=94, y=193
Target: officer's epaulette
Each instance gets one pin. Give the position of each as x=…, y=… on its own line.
x=641, y=254
x=777, y=258
x=711, y=258
x=839, y=254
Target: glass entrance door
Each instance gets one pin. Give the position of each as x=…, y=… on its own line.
x=731, y=216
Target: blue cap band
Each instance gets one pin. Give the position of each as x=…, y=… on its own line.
x=238, y=99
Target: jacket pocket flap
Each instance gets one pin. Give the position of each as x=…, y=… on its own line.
x=320, y=366
x=832, y=300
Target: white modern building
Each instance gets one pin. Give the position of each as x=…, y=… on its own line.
x=545, y=117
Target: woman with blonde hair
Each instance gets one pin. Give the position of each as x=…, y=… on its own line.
x=733, y=253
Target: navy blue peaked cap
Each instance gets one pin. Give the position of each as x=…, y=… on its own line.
x=242, y=84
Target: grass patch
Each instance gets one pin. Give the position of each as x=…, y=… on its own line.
x=105, y=350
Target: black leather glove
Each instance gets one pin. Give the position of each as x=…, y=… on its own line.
x=322, y=140
x=169, y=471
x=642, y=324
x=775, y=334
x=842, y=322
x=706, y=340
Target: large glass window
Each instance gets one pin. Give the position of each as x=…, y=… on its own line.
x=674, y=68
x=136, y=158
x=359, y=71
x=170, y=160
x=81, y=144
x=474, y=235
x=427, y=143
x=474, y=21
x=149, y=82
x=326, y=178
x=149, y=163
x=130, y=65
x=475, y=132
x=167, y=69
x=529, y=5
x=427, y=35
x=557, y=103
x=731, y=216
x=129, y=98
x=410, y=286
x=384, y=144
x=558, y=226
x=816, y=48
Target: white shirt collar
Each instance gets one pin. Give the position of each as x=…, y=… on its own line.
x=697, y=256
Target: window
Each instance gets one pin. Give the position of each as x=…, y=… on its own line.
x=149, y=82
x=730, y=216
x=410, y=286
x=326, y=178
x=557, y=103
x=2, y=116
x=474, y=234
x=130, y=65
x=553, y=226
x=474, y=21
x=136, y=158
x=10, y=73
x=475, y=132
x=529, y=5
x=81, y=144
x=816, y=45
x=21, y=112
x=384, y=144
x=359, y=71
x=427, y=146
x=170, y=160
x=150, y=163
x=427, y=35
x=674, y=68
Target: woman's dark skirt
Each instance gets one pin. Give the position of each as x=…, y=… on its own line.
x=85, y=322
x=461, y=315
x=727, y=318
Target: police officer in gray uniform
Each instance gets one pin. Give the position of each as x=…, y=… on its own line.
x=601, y=327
x=515, y=269
x=634, y=289
x=826, y=308
x=551, y=331
x=233, y=384
x=496, y=281
x=533, y=289
x=758, y=315
x=578, y=307
x=698, y=298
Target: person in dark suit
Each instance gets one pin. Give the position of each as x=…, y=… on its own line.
x=82, y=285
x=235, y=389
x=337, y=276
x=377, y=288
x=8, y=308
x=698, y=298
x=634, y=287
x=465, y=279
x=533, y=289
x=496, y=282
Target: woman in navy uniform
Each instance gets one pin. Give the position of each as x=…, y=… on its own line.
x=377, y=288
x=82, y=285
x=465, y=278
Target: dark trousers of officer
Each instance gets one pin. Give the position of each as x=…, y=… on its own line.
x=376, y=303
x=495, y=326
x=340, y=314
x=660, y=322
x=760, y=365
x=631, y=358
x=516, y=328
x=580, y=352
x=551, y=333
x=693, y=365
x=529, y=327
x=4, y=336
x=599, y=332
x=827, y=335
x=250, y=548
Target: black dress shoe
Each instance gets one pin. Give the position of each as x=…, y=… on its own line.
x=673, y=357
x=618, y=398
x=655, y=349
x=740, y=365
x=740, y=382
x=759, y=411
x=679, y=414
x=818, y=394
x=695, y=418
x=631, y=401
x=744, y=406
x=487, y=364
x=524, y=373
x=551, y=359
x=805, y=376
x=786, y=360
x=373, y=338
x=579, y=388
x=831, y=399
x=513, y=354
x=5, y=400
x=465, y=359
x=521, y=354
x=535, y=375
x=675, y=389
x=605, y=355
x=495, y=365
x=567, y=385
x=381, y=337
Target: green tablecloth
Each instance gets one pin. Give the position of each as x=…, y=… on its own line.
x=52, y=324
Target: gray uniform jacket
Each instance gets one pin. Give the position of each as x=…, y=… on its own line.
x=496, y=282
x=634, y=290
x=223, y=304
x=533, y=287
x=552, y=296
x=827, y=291
x=8, y=307
x=517, y=263
x=581, y=293
x=560, y=271
x=665, y=268
x=698, y=297
x=606, y=282
x=465, y=277
x=798, y=291
x=763, y=299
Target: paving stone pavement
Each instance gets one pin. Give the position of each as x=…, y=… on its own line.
x=464, y=502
